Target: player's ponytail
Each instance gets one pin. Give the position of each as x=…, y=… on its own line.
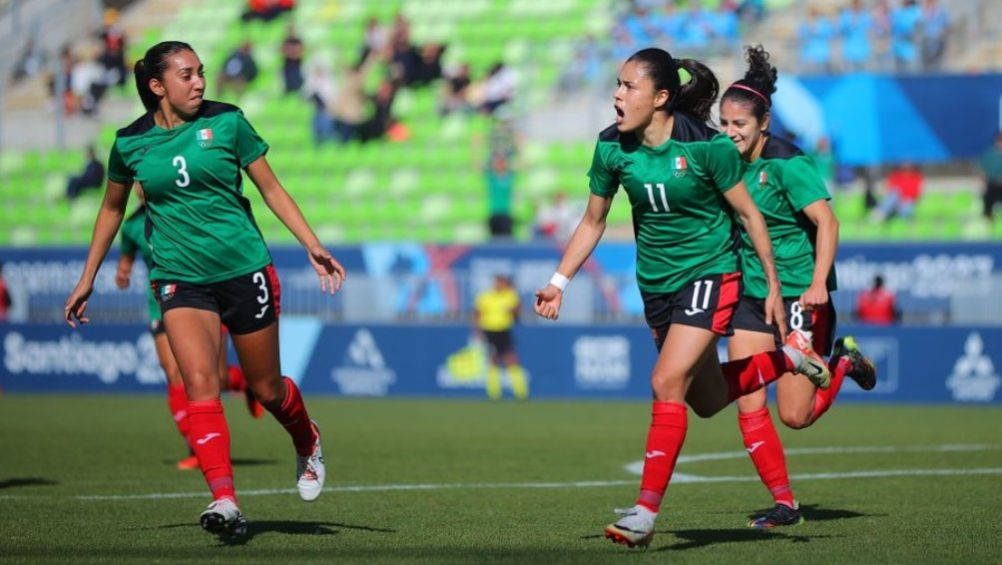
x=694, y=96
x=700, y=92
x=758, y=84
x=152, y=66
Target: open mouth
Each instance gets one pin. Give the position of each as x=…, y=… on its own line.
x=619, y=115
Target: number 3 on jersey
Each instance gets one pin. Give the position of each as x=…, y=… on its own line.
x=661, y=192
x=182, y=171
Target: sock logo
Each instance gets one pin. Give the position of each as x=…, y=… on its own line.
x=751, y=448
x=655, y=453
x=207, y=438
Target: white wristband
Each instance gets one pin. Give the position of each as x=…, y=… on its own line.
x=559, y=281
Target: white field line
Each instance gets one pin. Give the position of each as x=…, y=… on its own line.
x=678, y=478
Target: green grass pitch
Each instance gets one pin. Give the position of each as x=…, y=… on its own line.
x=92, y=478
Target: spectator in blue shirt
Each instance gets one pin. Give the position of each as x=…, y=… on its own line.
x=855, y=27
x=815, y=37
x=935, y=25
x=905, y=22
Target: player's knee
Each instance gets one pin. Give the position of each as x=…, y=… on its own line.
x=703, y=409
x=795, y=419
x=668, y=387
x=270, y=393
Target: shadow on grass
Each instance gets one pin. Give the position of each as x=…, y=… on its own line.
x=818, y=513
x=702, y=538
x=287, y=527
x=26, y=482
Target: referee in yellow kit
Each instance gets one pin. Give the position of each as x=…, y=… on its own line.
x=496, y=311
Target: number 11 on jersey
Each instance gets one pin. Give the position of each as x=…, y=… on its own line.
x=661, y=192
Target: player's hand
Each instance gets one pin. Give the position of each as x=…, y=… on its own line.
x=330, y=271
x=548, y=302
x=122, y=276
x=814, y=297
x=775, y=312
x=76, y=304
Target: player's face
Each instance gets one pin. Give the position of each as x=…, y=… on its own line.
x=636, y=97
x=184, y=82
x=744, y=129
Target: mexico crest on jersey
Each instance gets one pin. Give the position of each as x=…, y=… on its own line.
x=679, y=167
x=204, y=137
x=763, y=178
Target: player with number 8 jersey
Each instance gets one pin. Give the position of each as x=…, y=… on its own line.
x=210, y=263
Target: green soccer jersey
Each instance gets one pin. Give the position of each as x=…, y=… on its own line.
x=201, y=227
x=783, y=181
x=133, y=242
x=681, y=221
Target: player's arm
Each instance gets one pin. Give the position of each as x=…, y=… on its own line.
x=821, y=215
x=124, y=271
x=109, y=219
x=330, y=271
x=579, y=248
x=751, y=218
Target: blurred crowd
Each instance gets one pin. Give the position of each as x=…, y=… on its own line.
x=907, y=36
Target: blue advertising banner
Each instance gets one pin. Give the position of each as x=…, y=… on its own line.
x=916, y=365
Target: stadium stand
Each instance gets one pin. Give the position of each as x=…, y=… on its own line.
x=428, y=187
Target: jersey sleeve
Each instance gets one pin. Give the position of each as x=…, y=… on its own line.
x=118, y=171
x=249, y=144
x=604, y=180
x=723, y=163
x=802, y=183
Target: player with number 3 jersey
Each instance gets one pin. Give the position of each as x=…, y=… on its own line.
x=791, y=195
x=210, y=262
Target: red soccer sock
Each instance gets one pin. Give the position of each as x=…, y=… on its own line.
x=210, y=438
x=766, y=452
x=177, y=402
x=664, y=442
x=236, y=381
x=747, y=375
x=824, y=398
x=294, y=418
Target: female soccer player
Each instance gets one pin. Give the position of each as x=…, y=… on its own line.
x=211, y=265
x=133, y=241
x=786, y=187
x=682, y=190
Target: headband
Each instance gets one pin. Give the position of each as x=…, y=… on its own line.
x=768, y=104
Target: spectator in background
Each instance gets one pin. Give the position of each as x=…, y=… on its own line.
x=855, y=28
x=266, y=10
x=559, y=219
x=877, y=305
x=239, y=70
x=319, y=90
x=456, y=91
x=404, y=57
x=935, y=26
x=381, y=120
x=5, y=301
x=91, y=177
x=815, y=37
x=990, y=163
x=348, y=108
x=500, y=183
x=882, y=58
x=375, y=41
x=292, y=60
x=498, y=87
x=428, y=68
x=905, y=21
x=495, y=313
x=904, y=187
x=113, y=49
x=88, y=81
x=31, y=62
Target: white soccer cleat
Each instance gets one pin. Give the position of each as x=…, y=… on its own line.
x=310, y=471
x=809, y=363
x=222, y=517
x=635, y=528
